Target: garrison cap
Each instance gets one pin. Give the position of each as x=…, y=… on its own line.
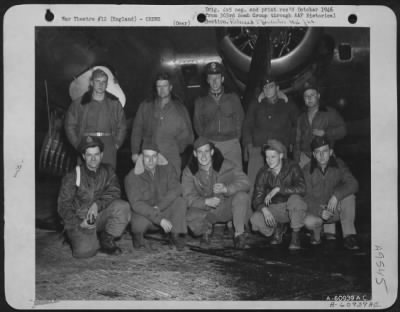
x=214, y=68
x=319, y=141
x=200, y=141
x=90, y=141
x=276, y=146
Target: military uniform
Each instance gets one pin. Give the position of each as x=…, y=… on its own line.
x=326, y=118
x=104, y=119
x=336, y=180
x=219, y=118
x=198, y=186
x=79, y=190
x=155, y=196
x=168, y=127
x=265, y=121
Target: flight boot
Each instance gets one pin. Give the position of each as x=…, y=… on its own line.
x=108, y=245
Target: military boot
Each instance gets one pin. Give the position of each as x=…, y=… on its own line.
x=140, y=243
x=205, y=240
x=138, y=240
x=239, y=241
x=107, y=244
x=178, y=240
x=280, y=230
x=295, y=241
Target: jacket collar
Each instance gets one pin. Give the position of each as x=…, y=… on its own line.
x=284, y=168
x=217, y=160
x=331, y=164
x=321, y=108
x=91, y=173
x=218, y=95
x=87, y=97
x=139, y=167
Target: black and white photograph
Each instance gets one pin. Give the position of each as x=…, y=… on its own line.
x=207, y=165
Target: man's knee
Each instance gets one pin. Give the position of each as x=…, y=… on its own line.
x=349, y=202
x=179, y=205
x=257, y=222
x=121, y=209
x=139, y=223
x=196, y=221
x=241, y=200
x=84, y=243
x=312, y=222
x=198, y=226
x=241, y=196
x=256, y=219
x=296, y=202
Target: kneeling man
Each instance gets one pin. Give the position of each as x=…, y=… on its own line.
x=154, y=192
x=277, y=196
x=330, y=193
x=89, y=202
x=216, y=191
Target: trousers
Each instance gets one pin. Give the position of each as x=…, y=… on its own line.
x=256, y=162
x=175, y=213
x=113, y=220
x=231, y=150
x=304, y=160
x=235, y=208
x=293, y=211
x=345, y=213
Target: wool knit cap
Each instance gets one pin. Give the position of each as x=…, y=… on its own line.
x=275, y=145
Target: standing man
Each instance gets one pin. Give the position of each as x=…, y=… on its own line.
x=315, y=121
x=330, y=193
x=218, y=116
x=216, y=191
x=164, y=121
x=277, y=196
x=270, y=116
x=97, y=113
x=155, y=195
x=89, y=202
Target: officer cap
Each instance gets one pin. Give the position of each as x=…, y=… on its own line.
x=214, y=68
x=319, y=141
x=90, y=141
x=267, y=80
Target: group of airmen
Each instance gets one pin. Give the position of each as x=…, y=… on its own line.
x=294, y=179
